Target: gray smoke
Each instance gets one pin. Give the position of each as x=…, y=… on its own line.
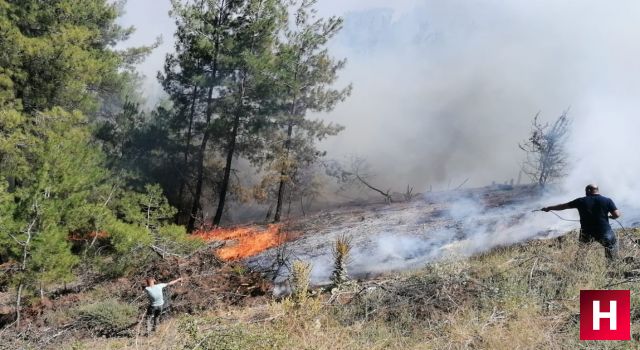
x=445, y=90
x=440, y=226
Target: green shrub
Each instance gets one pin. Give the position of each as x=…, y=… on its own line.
x=109, y=317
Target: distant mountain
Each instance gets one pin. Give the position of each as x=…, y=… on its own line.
x=377, y=29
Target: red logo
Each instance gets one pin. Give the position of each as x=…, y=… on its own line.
x=605, y=315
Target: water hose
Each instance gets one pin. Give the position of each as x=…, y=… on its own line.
x=624, y=229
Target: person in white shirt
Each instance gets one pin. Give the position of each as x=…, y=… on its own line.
x=156, y=299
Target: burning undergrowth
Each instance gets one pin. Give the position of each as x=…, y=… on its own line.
x=246, y=241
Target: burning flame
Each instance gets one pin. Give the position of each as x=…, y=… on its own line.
x=250, y=240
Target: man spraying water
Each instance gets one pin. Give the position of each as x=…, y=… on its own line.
x=595, y=211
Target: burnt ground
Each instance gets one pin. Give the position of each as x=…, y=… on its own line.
x=408, y=234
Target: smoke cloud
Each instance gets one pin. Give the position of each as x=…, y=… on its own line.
x=445, y=90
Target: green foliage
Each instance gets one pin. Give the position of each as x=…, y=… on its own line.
x=145, y=221
x=107, y=317
x=243, y=77
x=59, y=204
x=220, y=81
x=59, y=52
x=130, y=246
x=174, y=238
x=52, y=182
x=149, y=209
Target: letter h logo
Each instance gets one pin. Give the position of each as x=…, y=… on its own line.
x=605, y=315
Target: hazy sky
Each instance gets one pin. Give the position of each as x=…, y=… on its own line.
x=151, y=20
x=445, y=90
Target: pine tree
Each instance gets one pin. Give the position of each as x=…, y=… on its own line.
x=205, y=44
x=183, y=79
x=54, y=182
x=218, y=79
x=58, y=66
x=250, y=86
x=306, y=73
x=60, y=53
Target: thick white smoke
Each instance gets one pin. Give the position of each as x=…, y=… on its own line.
x=447, y=89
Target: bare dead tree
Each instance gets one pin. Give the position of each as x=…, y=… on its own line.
x=386, y=195
x=462, y=184
x=408, y=194
x=546, y=158
x=359, y=173
x=26, y=244
x=354, y=173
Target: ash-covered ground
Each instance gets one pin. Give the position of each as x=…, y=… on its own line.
x=410, y=234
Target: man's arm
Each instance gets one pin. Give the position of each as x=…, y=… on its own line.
x=613, y=210
x=174, y=281
x=558, y=207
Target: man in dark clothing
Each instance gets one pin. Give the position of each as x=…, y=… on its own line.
x=595, y=211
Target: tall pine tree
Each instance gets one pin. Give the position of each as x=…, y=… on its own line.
x=306, y=74
x=250, y=86
x=204, y=55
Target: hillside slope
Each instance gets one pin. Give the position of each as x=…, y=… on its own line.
x=441, y=271
x=519, y=297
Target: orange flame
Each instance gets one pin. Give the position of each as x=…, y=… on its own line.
x=250, y=240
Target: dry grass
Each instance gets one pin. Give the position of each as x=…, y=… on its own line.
x=520, y=297
x=301, y=276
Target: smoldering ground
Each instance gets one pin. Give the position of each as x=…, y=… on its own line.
x=401, y=236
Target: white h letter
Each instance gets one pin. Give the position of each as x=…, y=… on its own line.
x=611, y=315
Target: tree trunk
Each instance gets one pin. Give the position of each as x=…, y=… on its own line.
x=207, y=133
x=283, y=174
x=23, y=268
x=287, y=146
x=227, y=171
x=19, y=304
x=187, y=146
x=195, y=207
x=230, y=151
